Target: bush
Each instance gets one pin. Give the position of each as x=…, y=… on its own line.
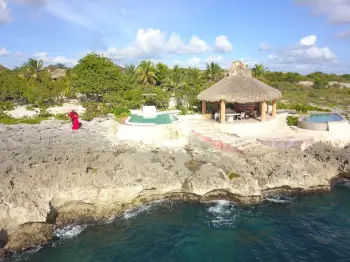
x=7, y=106
x=8, y=120
x=183, y=110
x=122, y=117
x=292, y=120
x=62, y=117
x=120, y=110
x=94, y=110
x=301, y=108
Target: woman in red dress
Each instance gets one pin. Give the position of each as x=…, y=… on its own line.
x=76, y=124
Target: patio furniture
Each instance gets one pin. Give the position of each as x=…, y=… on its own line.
x=149, y=111
x=231, y=116
x=254, y=114
x=241, y=116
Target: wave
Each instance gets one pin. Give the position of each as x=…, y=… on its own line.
x=222, y=213
x=147, y=208
x=69, y=231
x=279, y=199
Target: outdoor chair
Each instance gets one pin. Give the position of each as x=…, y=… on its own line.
x=241, y=116
x=149, y=111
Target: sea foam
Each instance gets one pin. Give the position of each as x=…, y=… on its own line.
x=69, y=231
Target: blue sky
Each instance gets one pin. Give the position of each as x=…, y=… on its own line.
x=286, y=35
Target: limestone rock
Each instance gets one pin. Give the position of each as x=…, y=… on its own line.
x=2, y=254
x=29, y=235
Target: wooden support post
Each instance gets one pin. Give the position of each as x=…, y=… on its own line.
x=204, y=107
x=274, y=107
x=263, y=111
x=222, y=112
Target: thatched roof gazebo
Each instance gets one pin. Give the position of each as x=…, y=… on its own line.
x=240, y=87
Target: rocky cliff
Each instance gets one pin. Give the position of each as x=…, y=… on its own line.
x=52, y=177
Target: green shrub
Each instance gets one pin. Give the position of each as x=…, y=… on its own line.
x=94, y=110
x=8, y=120
x=7, y=106
x=301, y=107
x=30, y=107
x=122, y=117
x=292, y=120
x=44, y=113
x=62, y=117
x=183, y=110
x=120, y=110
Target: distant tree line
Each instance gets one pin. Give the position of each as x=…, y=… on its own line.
x=97, y=78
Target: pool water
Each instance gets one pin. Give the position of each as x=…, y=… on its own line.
x=160, y=119
x=323, y=118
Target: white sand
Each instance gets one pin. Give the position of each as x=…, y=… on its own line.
x=66, y=108
x=21, y=111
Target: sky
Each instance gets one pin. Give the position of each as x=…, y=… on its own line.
x=285, y=35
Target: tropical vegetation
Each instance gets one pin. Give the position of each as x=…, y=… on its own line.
x=103, y=88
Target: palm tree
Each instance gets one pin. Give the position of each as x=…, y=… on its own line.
x=175, y=81
x=213, y=72
x=146, y=73
x=259, y=70
x=35, y=67
x=130, y=70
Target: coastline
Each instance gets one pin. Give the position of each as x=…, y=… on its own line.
x=54, y=177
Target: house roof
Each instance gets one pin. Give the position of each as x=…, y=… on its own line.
x=239, y=86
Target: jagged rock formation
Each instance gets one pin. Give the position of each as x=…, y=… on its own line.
x=51, y=175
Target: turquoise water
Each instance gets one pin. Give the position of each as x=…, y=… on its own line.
x=308, y=228
x=323, y=118
x=158, y=120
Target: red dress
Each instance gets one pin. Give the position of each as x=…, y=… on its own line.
x=76, y=124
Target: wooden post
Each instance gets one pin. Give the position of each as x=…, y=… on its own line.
x=204, y=107
x=274, y=107
x=222, y=112
x=263, y=111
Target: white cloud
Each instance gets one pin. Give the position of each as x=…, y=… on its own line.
x=336, y=11
x=55, y=60
x=264, y=47
x=5, y=16
x=249, y=61
x=4, y=52
x=223, y=44
x=308, y=40
x=151, y=43
x=344, y=35
x=307, y=54
x=214, y=59
x=194, y=62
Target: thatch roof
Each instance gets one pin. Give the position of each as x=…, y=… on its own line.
x=240, y=87
x=58, y=73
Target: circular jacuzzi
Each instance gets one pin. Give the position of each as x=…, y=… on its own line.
x=320, y=121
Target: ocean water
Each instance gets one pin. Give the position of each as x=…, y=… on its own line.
x=304, y=228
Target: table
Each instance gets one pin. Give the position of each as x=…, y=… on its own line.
x=232, y=116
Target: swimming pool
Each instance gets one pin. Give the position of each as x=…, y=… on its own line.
x=159, y=119
x=320, y=121
x=323, y=118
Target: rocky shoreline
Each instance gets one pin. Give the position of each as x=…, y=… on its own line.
x=53, y=177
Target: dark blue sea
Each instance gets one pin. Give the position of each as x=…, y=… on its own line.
x=303, y=228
